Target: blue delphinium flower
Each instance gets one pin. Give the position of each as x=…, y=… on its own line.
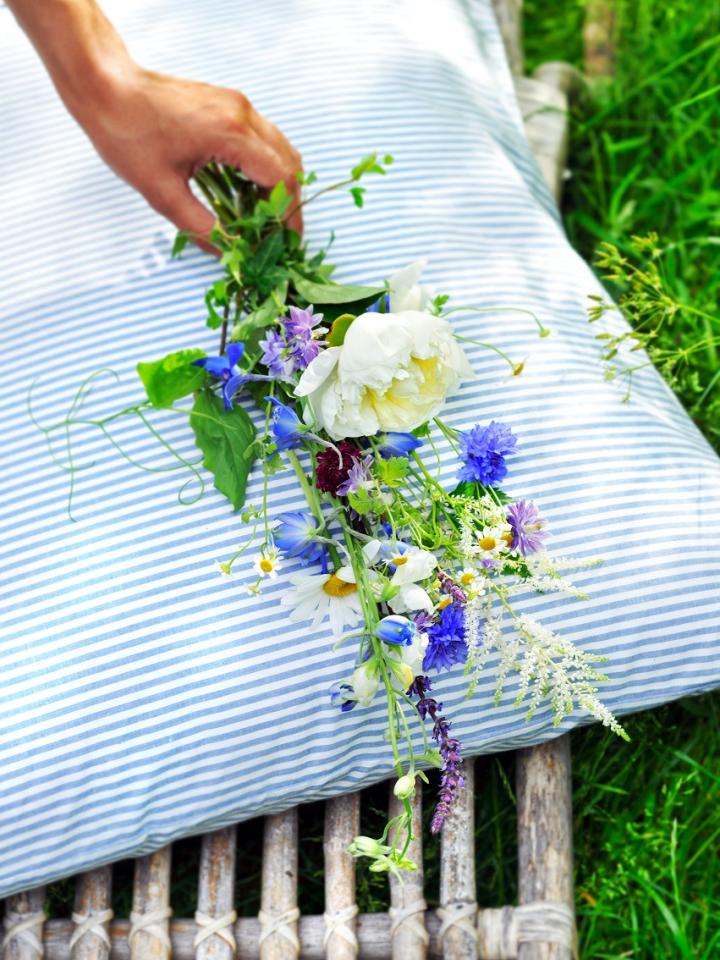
x=383, y=302
x=288, y=430
x=446, y=640
x=223, y=367
x=340, y=697
x=299, y=330
x=295, y=536
x=527, y=527
x=395, y=444
x=396, y=629
x=484, y=450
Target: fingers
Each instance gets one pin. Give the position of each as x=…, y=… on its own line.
x=263, y=153
x=174, y=201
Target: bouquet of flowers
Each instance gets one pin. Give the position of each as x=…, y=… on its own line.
x=351, y=382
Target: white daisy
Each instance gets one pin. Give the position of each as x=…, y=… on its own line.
x=319, y=595
x=268, y=562
x=492, y=541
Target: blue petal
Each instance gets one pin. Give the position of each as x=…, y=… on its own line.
x=234, y=353
x=230, y=388
x=214, y=365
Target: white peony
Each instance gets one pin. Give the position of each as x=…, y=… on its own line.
x=406, y=293
x=393, y=372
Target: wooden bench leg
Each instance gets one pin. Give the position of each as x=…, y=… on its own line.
x=545, y=859
x=458, y=896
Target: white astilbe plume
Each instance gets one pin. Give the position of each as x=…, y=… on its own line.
x=549, y=666
x=476, y=618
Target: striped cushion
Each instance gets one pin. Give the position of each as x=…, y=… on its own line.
x=146, y=698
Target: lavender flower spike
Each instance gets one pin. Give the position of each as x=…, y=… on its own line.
x=451, y=779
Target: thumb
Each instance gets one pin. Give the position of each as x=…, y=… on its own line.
x=175, y=201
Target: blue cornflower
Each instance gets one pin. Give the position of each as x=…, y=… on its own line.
x=446, y=640
x=273, y=357
x=527, y=527
x=295, y=536
x=288, y=430
x=396, y=629
x=484, y=450
x=393, y=444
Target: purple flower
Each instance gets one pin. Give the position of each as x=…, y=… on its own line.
x=423, y=621
x=342, y=696
x=527, y=527
x=446, y=640
x=358, y=473
x=299, y=329
x=448, y=586
x=484, y=450
x=451, y=779
x=274, y=354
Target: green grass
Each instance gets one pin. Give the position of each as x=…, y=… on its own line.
x=644, y=157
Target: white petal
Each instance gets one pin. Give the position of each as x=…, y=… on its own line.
x=405, y=290
x=317, y=371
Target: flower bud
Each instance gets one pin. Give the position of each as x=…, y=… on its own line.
x=404, y=787
x=367, y=847
x=365, y=682
x=396, y=629
x=402, y=672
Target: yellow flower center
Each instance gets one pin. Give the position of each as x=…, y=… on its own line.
x=335, y=587
x=508, y=538
x=467, y=578
x=488, y=543
x=445, y=602
x=399, y=560
x=266, y=565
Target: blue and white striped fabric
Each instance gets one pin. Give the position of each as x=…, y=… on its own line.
x=144, y=696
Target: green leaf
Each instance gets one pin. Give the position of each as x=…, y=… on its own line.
x=173, y=377
x=269, y=252
x=339, y=329
x=368, y=164
x=226, y=438
x=333, y=293
x=467, y=488
x=181, y=241
x=277, y=203
x=357, y=195
x=392, y=471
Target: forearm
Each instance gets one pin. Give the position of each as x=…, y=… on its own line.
x=80, y=48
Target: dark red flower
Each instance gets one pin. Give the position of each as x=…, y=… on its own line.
x=330, y=471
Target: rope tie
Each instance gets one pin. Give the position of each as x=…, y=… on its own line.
x=458, y=914
x=215, y=927
x=91, y=923
x=547, y=921
x=412, y=916
x=24, y=928
x=153, y=924
x=336, y=924
x=283, y=924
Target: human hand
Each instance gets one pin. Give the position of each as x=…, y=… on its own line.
x=155, y=131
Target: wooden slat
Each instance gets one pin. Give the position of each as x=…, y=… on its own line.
x=509, y=17
x=278, y=902
x=457, y=874
x=93, y=896
x=545, y=859
x=342, y=823
x=20, y=909
x=216, y=895
x=373, y=933
x=410, y=939
x=151, y=900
